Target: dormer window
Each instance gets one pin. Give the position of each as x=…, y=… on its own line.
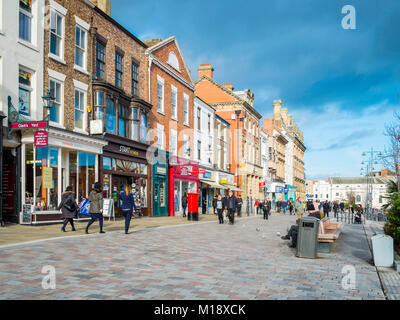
x=173, y=60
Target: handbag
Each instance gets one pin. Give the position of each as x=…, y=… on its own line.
x=70, y=205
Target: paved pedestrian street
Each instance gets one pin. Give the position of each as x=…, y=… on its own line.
x=194, y=261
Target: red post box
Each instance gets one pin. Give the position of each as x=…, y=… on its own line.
x=193, y=206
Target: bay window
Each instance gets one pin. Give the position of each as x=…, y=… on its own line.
x=143, y=127
x=123, y=120
x=135, y=124
x=99, y=107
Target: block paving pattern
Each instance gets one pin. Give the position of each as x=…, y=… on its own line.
x=203, y=261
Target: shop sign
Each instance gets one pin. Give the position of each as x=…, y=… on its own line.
x=41, y=138
x=262, y=184
x=128, y=150
x=47, y=177
x=161, y=170
x=279, y=189
x=28, y=125
x=96, y=126
x=206, y=174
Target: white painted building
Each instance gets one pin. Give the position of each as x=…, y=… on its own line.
x=340, y=189
x=21, y=57
x=203, y=135
x=264, y=153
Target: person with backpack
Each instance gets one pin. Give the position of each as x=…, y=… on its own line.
x=68, y=207
x=96, y=207
x=184, y=202
x=128, y=205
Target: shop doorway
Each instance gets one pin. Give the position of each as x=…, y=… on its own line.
x=118, y=183
x=204, y=200
x=160, y=198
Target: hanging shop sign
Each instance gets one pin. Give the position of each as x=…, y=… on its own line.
x=41, y=138
x=262, y=184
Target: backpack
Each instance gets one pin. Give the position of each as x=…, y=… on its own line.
x=70, y=205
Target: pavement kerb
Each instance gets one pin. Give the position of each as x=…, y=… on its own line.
x=6, y=246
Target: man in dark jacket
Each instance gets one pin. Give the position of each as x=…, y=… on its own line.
x=231, y=206
x=341, y=205
x=215, y=204
x=184, y=204
x=326, y=208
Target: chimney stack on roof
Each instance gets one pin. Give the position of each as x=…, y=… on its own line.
x=228, y=86
x=103, y=5
x=206, y=69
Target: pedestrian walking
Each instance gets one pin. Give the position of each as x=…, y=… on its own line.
x=128, y=205
x=257, y=205
x=341, y=205
x=219, y=205
x=335, y=209
x=284, y=206
x=278, y=206
x=326, y=208
x=239, y=205
x=266, y=208
x=184, y=201
x=96, y=207
x=215, y=204
x=231, y=205
x=299, y=208
x=291, y=207
x=68, y=207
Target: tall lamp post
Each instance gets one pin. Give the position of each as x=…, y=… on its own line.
x=373, y=157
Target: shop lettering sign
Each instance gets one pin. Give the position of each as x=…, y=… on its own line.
x=262, y=184
x=161, y=170
x=128, y=150
x=28, y=125
x=41, y=138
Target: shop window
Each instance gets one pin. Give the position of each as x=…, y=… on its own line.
x=110, y=117
x=106, y=163
x=56, y=33
x=160, y=94
x=55, y=89
x=73, y=169
x=186, y=109
x=100, y=60
x=86, y=170
x=143, y=128
x=135, y=124
x=24, y=92
x=25, y=20
x=29, y=162
x=46, y=178
x=162, y=194
x=79, y=108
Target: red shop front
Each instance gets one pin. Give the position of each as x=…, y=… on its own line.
x=183, y=178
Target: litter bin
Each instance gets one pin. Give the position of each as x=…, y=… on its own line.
x=307, y=239
x=382, y=249
x=193, y=206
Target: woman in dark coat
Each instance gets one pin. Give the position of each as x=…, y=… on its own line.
x=68, y=208
x=128, y=205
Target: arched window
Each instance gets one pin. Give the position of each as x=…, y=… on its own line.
x=110, y=117
x=358, y=198
x=173, y=60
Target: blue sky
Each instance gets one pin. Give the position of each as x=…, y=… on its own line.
x=342, y=86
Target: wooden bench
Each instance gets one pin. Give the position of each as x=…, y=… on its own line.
x=328, y=232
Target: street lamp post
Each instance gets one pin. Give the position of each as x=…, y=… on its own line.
x=373, y=156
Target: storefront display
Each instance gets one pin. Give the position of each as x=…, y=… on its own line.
x=183, y=178
x=160, y=185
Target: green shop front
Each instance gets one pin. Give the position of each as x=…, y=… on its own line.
x=160, y=184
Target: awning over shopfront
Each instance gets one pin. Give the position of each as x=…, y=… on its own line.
x=212, y=184
x=230, y=187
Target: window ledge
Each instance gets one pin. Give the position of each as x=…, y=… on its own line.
x=77, y=130
x=56, y=124
x=173, y=118
x=28, y=45
x=186, y=124
x=58, y=59
x=82, y=70
x=161, y=112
